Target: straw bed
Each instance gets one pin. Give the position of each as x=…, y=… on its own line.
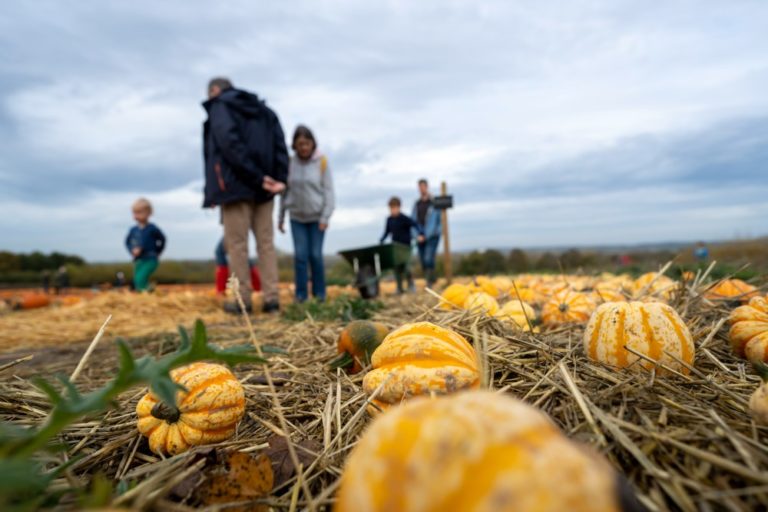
x=684, y=442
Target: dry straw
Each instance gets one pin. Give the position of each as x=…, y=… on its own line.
x=684, y=442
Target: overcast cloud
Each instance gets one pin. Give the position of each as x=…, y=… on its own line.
x=554, y=123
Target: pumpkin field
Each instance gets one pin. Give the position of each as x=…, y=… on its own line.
x=521, y=392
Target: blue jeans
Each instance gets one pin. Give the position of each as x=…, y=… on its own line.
x=427, y=252
x=308, y=252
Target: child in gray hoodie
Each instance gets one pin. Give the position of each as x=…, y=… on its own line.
x=309, y=200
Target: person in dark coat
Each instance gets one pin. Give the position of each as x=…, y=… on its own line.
x=246, y=164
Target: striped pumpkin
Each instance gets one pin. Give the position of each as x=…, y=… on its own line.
x=473, y=451
x=207, y=412
x=749, y=330
x=649, y=328
x=567, y=307
x=421, y=359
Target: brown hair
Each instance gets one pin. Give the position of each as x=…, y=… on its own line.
x=220, y=82
x=304, y=132
x=394, y=201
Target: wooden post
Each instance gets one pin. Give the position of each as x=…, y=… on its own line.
x=447, y=267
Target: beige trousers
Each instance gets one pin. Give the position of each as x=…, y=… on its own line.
x=239, y=220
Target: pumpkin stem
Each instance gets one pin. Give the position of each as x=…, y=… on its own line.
x=343, y=360
x=165, y=412
x=762, y=370
x=563, y=307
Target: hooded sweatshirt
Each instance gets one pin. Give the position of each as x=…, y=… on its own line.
x=242, y=142
x=309, y=196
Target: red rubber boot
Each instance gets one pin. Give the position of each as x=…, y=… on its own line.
x=255, y=279
x=222, y=274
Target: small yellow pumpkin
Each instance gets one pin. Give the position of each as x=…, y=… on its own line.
x=653, y=329
x=758, y=402
x=481, y=303
x=653, y=283
x=503, y=284
x=473, y=451
x=518, y=313
x=207, y=412
x=420, y=359
x=749, y=330
x=485, y=284
x=522, y=293
x=454, y=296
x=732, y=289
x=567, y=307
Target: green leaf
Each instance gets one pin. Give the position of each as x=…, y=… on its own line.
x=72, y=393
x=48, y=389
x=184, y=345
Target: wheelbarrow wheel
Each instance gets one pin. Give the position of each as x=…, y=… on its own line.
x=367, y=283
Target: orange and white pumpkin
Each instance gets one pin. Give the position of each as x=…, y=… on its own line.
x=749, y=330
x=567, y=307
x=653, y=329
x=421, y=359
x=207, y=412
x=473, y=451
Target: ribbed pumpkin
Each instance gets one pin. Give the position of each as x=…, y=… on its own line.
x=473, y=451
x=651, y=328
x=519, y=313
x=749, y=330
x=454, y=296
x=567, y=307
x=420, y=359
x=481, y=302
x=207, y=412
x=356, y=344
x=522, y=293
x=732, y=289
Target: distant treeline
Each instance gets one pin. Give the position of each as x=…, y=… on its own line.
x=746, y=259
x=36, y=261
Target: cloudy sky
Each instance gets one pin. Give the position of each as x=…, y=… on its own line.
x=554, y=123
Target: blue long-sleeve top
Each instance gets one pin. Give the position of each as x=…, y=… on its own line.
x=149, y=238
x=400, y=229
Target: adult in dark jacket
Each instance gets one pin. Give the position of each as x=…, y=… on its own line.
x=246, y=164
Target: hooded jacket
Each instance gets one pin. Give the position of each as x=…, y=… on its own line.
x=309, y=196
x=242, y=142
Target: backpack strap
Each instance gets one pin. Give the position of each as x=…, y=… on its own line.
x=323, y=165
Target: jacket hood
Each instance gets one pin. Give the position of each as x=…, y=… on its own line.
x=242, y=101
